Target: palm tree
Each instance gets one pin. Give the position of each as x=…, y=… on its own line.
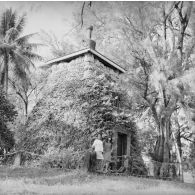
x=16, y=52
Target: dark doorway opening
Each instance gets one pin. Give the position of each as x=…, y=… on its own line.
x=121, y=148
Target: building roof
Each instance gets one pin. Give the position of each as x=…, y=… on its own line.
x=67, y=58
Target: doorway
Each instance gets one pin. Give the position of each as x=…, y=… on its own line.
x=121, y=148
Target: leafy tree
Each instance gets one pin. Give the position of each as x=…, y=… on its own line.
x=148, y=135
x=7, y=115
x=159, y=76
x=157, y=41
x=183, y=133
x=15, y=50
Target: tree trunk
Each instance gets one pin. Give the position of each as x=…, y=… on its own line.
x=17, y=160
x=26, y=108
x=162, y=149
x=180, y=44
x=2, y=75
x=6, y=74
x=178, y=140
x=180, y=174
x=166, y=128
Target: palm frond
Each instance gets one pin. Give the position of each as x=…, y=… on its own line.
x=31, y=55
x=31, y=46
x=18, y=58
x=18, y=48
x=10, y=34
x=6, y=46
x=19, y=72
x=24, y=39
x=8, y=20
x=21, y=23
x=14, y=32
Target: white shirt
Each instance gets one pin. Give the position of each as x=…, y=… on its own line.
x=98, y=145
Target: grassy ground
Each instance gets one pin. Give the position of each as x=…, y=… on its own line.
x=40, y=181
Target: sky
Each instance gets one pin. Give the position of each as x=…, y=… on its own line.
x=55, y=17
x=50, y=16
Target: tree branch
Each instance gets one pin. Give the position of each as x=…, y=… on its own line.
x=132, y=25
x=32, y=91
x=21, y=96
x=171, y=9
x=188, y=139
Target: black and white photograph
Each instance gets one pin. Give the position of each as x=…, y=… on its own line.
x=97, y=97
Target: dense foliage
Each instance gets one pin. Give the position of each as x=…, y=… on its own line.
x=104, y=105
x=7, y=115
x=75, y=110
x=155, y=42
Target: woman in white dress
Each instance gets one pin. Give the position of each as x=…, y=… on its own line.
x=98, y=147
x=107, y=153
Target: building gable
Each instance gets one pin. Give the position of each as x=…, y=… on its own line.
x=104, y=60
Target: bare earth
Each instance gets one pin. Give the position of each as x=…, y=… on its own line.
x=38, y=181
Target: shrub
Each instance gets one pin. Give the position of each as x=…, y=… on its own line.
x=137, y=166
x=7, y=116
x=66, y=159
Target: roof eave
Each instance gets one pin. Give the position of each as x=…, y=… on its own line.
x=116, y=66
x=81, y=52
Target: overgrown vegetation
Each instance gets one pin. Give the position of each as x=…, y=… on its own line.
x=84, y=108
x=154, y=41
x=7, y=115
x=157, y=43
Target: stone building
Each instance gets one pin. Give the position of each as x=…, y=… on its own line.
x=87, y=62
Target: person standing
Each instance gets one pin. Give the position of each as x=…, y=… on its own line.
x=107, y=153
x=98, y=147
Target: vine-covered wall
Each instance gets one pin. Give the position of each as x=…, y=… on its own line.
x=80, y=99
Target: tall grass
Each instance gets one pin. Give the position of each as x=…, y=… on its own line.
x=32, y=181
